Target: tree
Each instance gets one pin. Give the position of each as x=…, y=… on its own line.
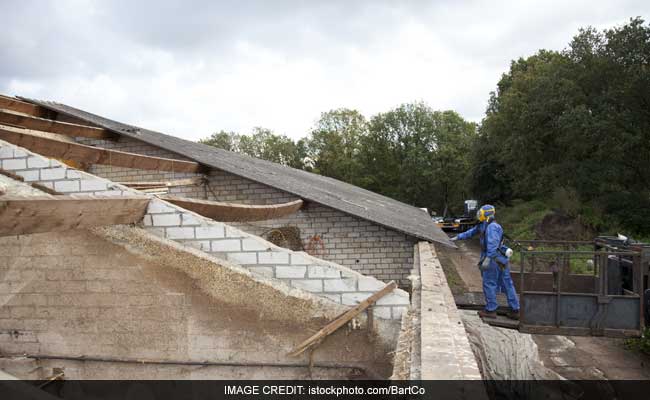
x=333, y=144
x=577, y=119
x=418, y=156
x=261, y=143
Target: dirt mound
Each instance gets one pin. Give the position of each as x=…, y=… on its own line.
x=559, y=226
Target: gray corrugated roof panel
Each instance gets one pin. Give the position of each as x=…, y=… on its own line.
x=330, y=192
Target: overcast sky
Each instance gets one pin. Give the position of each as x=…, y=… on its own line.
x=192, y=68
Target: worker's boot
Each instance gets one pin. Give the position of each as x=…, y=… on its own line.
x=487, y=314
x=513, y=314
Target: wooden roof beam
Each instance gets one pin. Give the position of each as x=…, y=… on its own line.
x=48, y=125
x=13, y=104
x=230, y=212
x=37, y=214
x=48, y=145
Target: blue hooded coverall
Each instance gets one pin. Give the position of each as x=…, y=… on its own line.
x=494, y=278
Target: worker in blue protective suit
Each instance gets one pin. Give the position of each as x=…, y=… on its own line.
x=494, y=263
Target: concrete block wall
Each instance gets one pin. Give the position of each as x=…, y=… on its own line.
x=297, y=269
x=358, y=244
x=80, y=294
x=261, y=257
x=54, y=174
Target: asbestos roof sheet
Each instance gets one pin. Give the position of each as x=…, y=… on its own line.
x=320, y=189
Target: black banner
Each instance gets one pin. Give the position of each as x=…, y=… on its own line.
x=245, y=390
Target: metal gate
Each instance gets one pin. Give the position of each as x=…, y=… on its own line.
x=580, y=288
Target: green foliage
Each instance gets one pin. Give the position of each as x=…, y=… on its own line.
x=521, y=217
x=641, y=344
x=418, y=156
x=334, y=144
x=578, y=121
x=261, y=143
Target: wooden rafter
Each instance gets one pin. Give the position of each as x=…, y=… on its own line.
x=197, y=180
x=36, y=214
x=48, y=145
x=47, y=125
x=342, y=320
x=10, y=103
x=230, y=212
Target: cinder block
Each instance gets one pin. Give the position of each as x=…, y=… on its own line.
x=234, y=233
x=50, y=174
x=381, y=312
x=92, y=185
x=253, y=244
x=263, y=271
x=321, y=271
x=29, y=175
x=300, y=258
x=243, y=258
x=310, y=285
x=6, y=152
x=158, y=206
x=66, y=186
x=167, y=220
x=226, y=245
x=395, y=298
x=14, y=164
x=180, y=232
x=353, y=299
x=334, y=297
x=370, y=284
x=147, y=220
x=203, y=245
x=19, y=153
x=290, y=272
x=37, y=162
x=398, y=311
x=209, y=232
x=72, y=174
x=273, y=257
x=339, y=285
x=189, y=219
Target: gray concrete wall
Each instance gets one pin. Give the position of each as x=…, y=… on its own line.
x=120, y=293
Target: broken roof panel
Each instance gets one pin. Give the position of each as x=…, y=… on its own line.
x=320, y=189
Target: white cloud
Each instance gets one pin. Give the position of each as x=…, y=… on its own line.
x=191, y=70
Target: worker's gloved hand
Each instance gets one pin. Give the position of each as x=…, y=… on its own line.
x=453, y=238
x=485, y=264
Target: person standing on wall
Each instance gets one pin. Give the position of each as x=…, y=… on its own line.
x=494, y=263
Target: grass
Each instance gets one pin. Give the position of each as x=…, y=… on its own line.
x=519, y=219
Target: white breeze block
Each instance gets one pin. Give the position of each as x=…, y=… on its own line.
x=14, y=164
x=210, y=232
x=226, y=245
x=51, y=174
x=273, y=257
x=37, y=162
x=290, y=272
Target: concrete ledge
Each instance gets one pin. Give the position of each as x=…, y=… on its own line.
x=445, y=352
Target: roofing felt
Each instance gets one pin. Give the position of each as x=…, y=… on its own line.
x=320, y=189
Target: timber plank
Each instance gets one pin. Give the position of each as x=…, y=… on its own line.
x=13, y=104
x=342, y=320
x=48, y=125
x=36, y=214
x=46, y=144
x=231, y=212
